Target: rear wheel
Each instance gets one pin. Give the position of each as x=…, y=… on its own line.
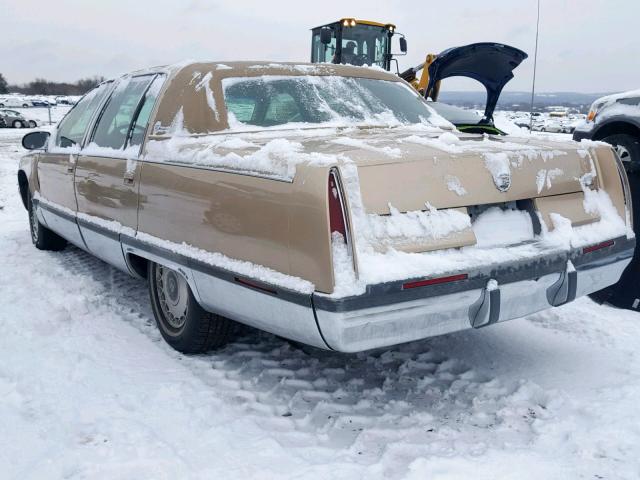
x=183, y=323
x=41, y=236
x=32, y=124
x=17, y=124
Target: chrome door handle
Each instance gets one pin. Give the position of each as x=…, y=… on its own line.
x=129, y=178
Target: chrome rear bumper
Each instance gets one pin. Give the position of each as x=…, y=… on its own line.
x=505, y=294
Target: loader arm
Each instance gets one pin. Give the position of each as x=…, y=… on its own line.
x=491, y=64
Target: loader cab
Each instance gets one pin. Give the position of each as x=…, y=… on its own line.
x=355, y=42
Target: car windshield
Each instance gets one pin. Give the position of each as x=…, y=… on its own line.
x=330, y=100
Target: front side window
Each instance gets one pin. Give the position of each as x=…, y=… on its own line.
x=73, y=126
x=274, y=100
x=321, y=53
x=113, y=126
x=365, y=45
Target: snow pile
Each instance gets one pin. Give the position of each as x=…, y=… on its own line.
x=346, y=283
x=545, y=177
x=413, y=227
x=498, y=227
x=499, y=166
x=276, y=159
x=358, y=143
x=94, y=150
x=241, y=267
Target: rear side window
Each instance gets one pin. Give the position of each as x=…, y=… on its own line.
x=73, y=126
x=142, y=119
x=114, y=124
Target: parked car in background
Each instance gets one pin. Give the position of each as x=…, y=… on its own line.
x=319, y=202
x=14, y=101
x=41, y=102
x=14, y=119
x=65, y=100
x=615, y=119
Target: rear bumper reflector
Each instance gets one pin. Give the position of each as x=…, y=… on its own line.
x=598, y=246
x=435, y=281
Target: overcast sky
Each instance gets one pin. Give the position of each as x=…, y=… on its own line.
x=585, y=45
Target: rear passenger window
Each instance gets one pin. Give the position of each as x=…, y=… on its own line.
x=73, y=126
x=114, y=123
x=142, y=120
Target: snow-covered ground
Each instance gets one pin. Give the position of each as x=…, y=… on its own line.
x=88, y=389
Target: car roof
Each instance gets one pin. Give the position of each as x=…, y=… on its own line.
x=184, y=95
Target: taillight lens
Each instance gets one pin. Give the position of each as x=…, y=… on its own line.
x=339, y=218
x=599, y=246
x=435, y=281
x=336, y=211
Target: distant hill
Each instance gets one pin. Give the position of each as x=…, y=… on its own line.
x=522, y=100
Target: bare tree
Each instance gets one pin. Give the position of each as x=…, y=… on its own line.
x=3, y=84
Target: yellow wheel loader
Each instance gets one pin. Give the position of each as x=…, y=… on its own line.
x=367, y=43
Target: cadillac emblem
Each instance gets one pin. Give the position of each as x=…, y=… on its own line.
x=503, y=181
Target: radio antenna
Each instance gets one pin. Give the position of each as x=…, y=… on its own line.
x=535, y=64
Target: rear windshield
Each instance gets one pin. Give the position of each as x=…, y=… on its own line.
x=278, y=100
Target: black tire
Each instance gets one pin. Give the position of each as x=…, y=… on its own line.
x=17, y=124
x=25, y=105
x=32, y=124
x=626, y=293
x=41, y=236
x=628, y=147
x=183, y=323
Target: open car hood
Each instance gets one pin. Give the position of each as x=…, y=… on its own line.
x=491, y=64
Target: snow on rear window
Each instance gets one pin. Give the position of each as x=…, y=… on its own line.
x=270, y=101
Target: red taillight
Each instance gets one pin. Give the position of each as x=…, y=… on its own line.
x=435, y=281
x=599, y=246
x=336, y=213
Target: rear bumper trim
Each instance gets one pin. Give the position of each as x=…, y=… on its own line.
x=377, y=320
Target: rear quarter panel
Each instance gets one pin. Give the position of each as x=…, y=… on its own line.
x=278, y=224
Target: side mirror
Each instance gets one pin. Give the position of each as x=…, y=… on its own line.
x=325, y=36
x=35, y=140
x=403, y=45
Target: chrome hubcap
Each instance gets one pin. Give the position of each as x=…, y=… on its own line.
x=623, y=153
x=173, y=293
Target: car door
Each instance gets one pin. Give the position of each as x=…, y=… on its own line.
x=56, y=167
x=108, y=170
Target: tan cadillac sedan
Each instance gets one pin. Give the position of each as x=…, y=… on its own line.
x=327, y=204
